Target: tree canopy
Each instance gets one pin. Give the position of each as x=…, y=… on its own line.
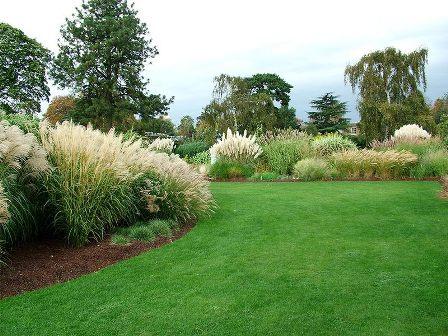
x=329, y=113
x=23, y=65
x=390, y=85
x=60, y=108
x=102, y=53
x=247, y=104
x=186, y=127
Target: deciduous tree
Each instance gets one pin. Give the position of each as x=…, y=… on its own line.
x=23, y=65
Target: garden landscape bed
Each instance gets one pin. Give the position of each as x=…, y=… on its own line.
x=43, y=263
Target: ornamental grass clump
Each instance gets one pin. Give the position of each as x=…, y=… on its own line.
x=282, y=155
x=312, y=169
x=22, y=164
x=101, y=181
x=162, y=145
x=235, y=147
x=325, y=145
x=367, y=163
x=432, y=164
x=411, y=131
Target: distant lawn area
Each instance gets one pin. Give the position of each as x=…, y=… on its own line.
x=319, y=258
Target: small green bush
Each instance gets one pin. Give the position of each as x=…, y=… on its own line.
x=265, y=176
x=26, y=122
x=281, y=155
x=200, y=158
x=190, y=149
x=145, y=231
x=328, y=144
x=312, y=169
x=225, y=170
x=432, y=164
x=118, y=239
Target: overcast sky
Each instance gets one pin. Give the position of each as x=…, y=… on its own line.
x=306, y=43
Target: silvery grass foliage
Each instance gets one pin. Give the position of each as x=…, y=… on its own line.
x=328, y=144
x=312, y=169
x=22, y=162
x=236, y=147
x=411, y=131
x=102, y=180
x=162, y=145
x=366, y=163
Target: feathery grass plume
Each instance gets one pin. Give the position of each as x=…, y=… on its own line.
x=367, y=163
x=328, y=144
x=22, y=163
x=411, y=131
x=101, y=180
x=236, y=147
x=162, y=145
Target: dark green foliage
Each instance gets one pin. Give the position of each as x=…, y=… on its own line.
x=186, y=127
x=190, y=149
x=329, y=113
x=153, y=125
x=102, y=53
x=145, y=231
x=265, y=176
x=389, y=84
x=319, y=258
x=256, y=103
x=23, y=65
x=226, y=170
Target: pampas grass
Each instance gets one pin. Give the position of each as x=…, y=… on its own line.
x=162, y=145
x=236, y=147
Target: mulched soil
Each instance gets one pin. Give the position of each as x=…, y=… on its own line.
x=43, y=263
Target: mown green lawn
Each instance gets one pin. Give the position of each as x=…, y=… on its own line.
x=330, y=258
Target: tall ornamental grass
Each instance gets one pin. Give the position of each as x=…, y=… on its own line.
x=367, y=163
x=162, y=145
x=432, y=164
x=282, y=155
x=101, y=181
x=22, y=163
x=235, y=147
x=312, y=169
x=325, y=145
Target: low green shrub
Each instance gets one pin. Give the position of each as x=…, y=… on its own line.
x=282, y=155
x=118, y=239
x=190, y=149
x=265, y=176
x=312, y=169
x=145, y=231
x=367, y=163
x=328, y=144
x=26, y=122
x=432, y=164
x=225, y=169
x=199, y=158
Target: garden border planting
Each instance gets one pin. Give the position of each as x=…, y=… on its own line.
x=44, y=263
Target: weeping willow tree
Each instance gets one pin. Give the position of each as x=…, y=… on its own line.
x=390, y=85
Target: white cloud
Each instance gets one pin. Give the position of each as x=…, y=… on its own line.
x=307, y=43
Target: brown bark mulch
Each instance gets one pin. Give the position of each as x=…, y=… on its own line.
x=43, y=263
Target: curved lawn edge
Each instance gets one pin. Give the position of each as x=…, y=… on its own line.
x=45, y=263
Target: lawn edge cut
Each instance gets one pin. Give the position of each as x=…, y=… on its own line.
x=44, y=263
x=243, y=179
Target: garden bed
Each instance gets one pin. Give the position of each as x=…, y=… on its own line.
x=371, y=179
x=44, y=263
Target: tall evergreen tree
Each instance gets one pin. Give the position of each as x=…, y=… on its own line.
x=329, y=114
x=390, y=85
x=102, y=53
x=23, y=65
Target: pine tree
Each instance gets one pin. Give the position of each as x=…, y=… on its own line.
x=329, y=113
